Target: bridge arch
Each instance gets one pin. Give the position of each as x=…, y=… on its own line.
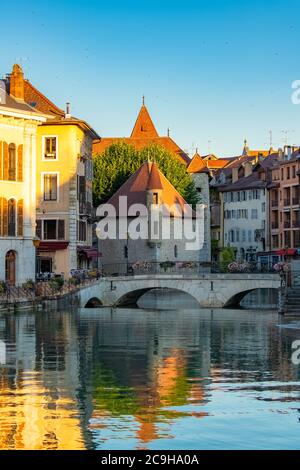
x=132, y=296
x=93, y=302
x=236, y=299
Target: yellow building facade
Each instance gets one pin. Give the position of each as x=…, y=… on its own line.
x=64, y=196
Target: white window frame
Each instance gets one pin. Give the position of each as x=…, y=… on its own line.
x=43, y=173
x=44, y=137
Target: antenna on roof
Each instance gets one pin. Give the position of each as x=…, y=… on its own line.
x=143, y=100
x=168, y=132
x=271, y=138
x=286, y=132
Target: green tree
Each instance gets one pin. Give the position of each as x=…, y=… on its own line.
x=227, y=257
x=120, y=160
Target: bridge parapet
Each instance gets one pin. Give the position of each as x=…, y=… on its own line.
x=210, y=290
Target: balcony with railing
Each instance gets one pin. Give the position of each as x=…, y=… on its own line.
x=275, y=225
x=287, y=202
x=287, y=224
x=274, y=202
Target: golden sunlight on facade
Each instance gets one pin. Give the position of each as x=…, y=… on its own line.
x=18, y=132
x=46, y=176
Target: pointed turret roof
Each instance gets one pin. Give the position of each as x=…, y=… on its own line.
x=154, y=181
x=144, y=127
x=197, y=164
x=143, y=134
x=147, y=177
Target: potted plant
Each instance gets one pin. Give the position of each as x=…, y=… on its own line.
x=56, y=284
x=28, y=284
x=74, y=281
x=166, y=265
x=2, y=287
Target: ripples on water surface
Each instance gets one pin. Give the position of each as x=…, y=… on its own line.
x=148, y=379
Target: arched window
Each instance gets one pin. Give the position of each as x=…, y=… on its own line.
x=12, y=167
x=11, y=218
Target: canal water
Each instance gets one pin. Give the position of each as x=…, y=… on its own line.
x=173, y=377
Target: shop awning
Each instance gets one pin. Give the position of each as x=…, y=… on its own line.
x=288, y=252
x=89, y=252
x=52, y=246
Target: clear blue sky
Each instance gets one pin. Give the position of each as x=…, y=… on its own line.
x=210, y=70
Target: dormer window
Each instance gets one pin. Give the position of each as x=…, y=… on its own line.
x=50, y=148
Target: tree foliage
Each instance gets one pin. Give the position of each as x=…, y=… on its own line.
x=120, y=160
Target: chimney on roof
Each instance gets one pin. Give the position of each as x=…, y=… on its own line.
x=235, y=174
x=248, y=168
x=67, y=113
x=16, y=83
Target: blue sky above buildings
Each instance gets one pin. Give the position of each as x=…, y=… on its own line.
x=214, y=72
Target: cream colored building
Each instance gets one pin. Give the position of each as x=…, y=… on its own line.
x=60, y=184
x=18, y=133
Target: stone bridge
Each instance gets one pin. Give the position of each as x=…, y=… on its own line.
x=210, y=290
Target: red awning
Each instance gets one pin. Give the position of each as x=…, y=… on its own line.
x=89, y=252
x=288, y=252
x=52, y=246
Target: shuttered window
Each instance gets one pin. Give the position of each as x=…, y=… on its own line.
x=1, y=160
x=1, y=216
x=20, y=218
x=5, y=161
x=38, y=229
x=12, y=167
x=61, y=230
x=4, y=217
x=20, y=163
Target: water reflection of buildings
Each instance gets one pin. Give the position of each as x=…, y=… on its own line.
x=38, y=406
x=81, y=380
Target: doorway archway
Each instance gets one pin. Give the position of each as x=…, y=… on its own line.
x=10, y=267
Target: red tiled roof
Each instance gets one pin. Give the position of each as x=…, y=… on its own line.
x=148, y=176
x=143, y=135
x=199, y=164
x=38, y=101
x=144, y=127
x=154, y=181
